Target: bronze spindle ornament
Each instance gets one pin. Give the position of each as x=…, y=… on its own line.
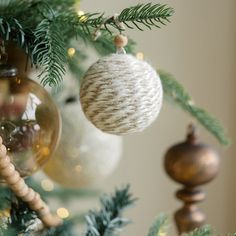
x=192, y=164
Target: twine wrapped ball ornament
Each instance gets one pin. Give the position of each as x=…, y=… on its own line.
x=120, y=94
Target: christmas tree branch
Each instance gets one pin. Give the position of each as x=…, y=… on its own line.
x=50, y=52
x=47, y=32
x=159, y=226
x=204, y=231
x=109, y=221
x=174, y=92
x=146, y=14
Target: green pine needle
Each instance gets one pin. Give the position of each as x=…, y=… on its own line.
x=148, y=15
x=50, y=52
x=175, y=93
x=158, y=226
x=204, y=231
x=109, y=221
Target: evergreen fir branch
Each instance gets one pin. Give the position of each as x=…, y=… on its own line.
x=158, y=226
x=204, y=231
x=66, y=229
x=5, y=198
x=146, y=14
x=50, y=52
x=61, y=5
x=49, y=29
x=13, y=8
x=109, y=221
x=175, y=93
x=11, y=29
x=21, y=217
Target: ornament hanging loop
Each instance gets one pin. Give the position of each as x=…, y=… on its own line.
x=192, y=134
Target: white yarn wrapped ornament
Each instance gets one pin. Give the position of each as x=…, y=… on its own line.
x=121, y=94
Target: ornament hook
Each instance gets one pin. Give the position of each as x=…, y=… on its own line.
x=192, y=133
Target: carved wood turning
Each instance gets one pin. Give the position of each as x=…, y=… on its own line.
x=192, y=164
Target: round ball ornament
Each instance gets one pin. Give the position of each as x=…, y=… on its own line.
x=85, y=155
x=29, y=121
x=121, y=94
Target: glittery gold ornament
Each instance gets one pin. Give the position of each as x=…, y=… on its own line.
x=29, y=121
x=85, y=155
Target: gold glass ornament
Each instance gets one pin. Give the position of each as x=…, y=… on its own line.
x=29, y=121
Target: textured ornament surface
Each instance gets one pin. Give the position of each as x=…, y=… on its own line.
x=85, y=155
x=121, y=94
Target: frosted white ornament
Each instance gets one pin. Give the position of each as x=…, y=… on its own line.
x=85, y=155
x=121, y=95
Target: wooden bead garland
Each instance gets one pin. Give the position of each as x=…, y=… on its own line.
x=21, y=189
x=120, y=94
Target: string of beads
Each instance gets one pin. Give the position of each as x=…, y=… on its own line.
x=23, y=191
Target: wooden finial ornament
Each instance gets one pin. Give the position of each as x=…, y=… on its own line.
x=192, y=164
x=21, y=189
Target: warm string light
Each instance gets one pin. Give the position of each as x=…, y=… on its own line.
x=63, y=213
x=47, y=185
x=80, y=13
x=82, y=16
x=78, y=168
x=45, y=151
x=140, y=56
x=161, y=233
x=71, y=52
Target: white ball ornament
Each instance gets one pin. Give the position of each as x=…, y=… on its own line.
x=86, y=155
x=120, y=94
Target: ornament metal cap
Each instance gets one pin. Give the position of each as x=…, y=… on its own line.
x=8, y=70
